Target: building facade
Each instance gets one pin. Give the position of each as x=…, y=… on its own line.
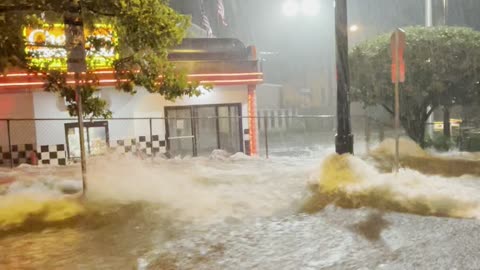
x=35, y=121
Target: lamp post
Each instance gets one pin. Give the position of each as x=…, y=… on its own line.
x=291, y=8
x=344, y=136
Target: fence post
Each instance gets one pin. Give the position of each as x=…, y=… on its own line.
x=9, y=143
x=265, y=119
x=381, y=134
x=367, y=133
x=151, y=139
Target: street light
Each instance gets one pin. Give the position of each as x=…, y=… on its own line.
x=354, y=28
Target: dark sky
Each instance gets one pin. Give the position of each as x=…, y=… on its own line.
x=306, y=43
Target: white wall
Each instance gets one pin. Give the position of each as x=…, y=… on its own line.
x=141, y=105
x=147, y=105
x=48, y=105
x=16, y=105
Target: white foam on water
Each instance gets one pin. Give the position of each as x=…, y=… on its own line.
x=203, y=189
x=362, y=184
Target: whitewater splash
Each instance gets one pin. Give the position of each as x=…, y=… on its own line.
x=412, y=156
x=351, y=182
x=234, y=188
x=195, y=190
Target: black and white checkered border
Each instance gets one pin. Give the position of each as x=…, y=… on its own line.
x=158, y=146
x=20, y=154
x=246, y=141
x=124, y=146
x=52, y=155
x=142, y=144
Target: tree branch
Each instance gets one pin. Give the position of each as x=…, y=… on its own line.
x=18, y=7
x=89, y=8
x=429, y=113
x=387, y=109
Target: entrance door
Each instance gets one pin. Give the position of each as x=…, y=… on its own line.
x=206, y=130
x=229, y=128
x=198, y=130
x=96, y=138
x=180, y=139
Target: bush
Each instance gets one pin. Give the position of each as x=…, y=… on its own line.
x=440, y=143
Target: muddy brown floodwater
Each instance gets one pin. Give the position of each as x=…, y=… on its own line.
x=240, y=213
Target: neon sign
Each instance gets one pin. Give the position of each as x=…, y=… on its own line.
x=45, y=47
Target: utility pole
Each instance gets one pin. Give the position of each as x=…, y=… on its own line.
x=344, y=137
x=428, y=13
x=431, y=19
x=75, y=46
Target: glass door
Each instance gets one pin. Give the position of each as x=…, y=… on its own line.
x=206, y=127
x=199, y=130
x=180, y=139
x=229, y=128
x=96, y=138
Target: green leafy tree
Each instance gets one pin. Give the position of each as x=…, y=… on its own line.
x=442, y=70
x=146, y=30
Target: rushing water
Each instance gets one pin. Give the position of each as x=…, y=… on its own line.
x=313, y=211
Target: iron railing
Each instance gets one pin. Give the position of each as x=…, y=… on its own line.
x=55, y=141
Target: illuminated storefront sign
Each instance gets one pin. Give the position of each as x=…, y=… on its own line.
x=45, y=46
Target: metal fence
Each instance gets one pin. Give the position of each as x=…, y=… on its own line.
x=56, y=141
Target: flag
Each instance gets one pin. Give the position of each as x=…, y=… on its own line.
x=221, y=12
x=205, y=21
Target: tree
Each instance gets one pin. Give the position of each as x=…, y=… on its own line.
x=145, y=30
x=441, y=71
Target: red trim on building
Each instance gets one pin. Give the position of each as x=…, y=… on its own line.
x=252, y=120
x=32, y=81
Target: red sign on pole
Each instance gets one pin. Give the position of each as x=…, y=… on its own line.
x=397, y=45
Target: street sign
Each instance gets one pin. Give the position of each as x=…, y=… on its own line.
x=75, y=40
x=397, y=45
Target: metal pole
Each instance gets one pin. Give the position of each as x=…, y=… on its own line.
x=428, y=13
x=367, y=133
x=397, y=102
x=265, y=121
x=344, y=137
x=429, y=23
x=151, y=139
x=83, y=156
x=9, y=143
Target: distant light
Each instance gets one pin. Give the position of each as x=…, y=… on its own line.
x=310, y=7
x=290, y=8
x=354, y=28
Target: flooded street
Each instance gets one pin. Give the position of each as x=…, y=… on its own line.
x=242, y=213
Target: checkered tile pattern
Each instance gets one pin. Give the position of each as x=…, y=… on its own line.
x=142, y=144
x=158, y=146
x=246, y=140
x=4, y=156
x=124, y=146
x=247, y=148
x=52, y=155
x=246, y=134
x=19, y=154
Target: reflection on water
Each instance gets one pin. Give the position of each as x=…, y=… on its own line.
x=239, y=213
x=106, y=237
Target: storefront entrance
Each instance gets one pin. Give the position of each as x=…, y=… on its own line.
x=96, y=138
x=198, y=130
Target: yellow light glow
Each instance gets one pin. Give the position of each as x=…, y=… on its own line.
x=45, y=46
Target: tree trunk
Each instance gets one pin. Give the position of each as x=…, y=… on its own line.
x=415, y=130
x=446, y=122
